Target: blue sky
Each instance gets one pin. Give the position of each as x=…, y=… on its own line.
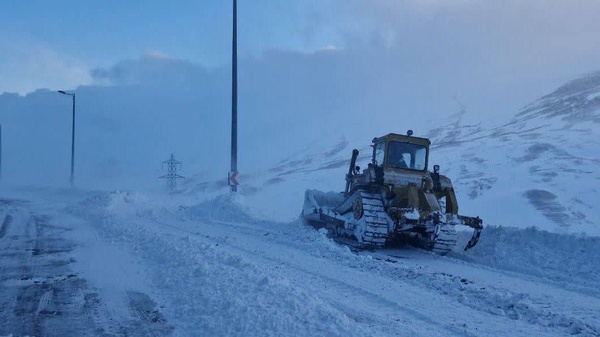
x=58, y=44
x=103, y=32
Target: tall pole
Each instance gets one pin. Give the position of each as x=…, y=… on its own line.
x=0, y=151
x=72, y=179
x=234, y=97
x=73, y=145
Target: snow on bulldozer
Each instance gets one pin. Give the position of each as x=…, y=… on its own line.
x=395, y=199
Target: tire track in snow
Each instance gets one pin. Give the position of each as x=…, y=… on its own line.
x=44, y=302
x=40, y=295
x=5, y=224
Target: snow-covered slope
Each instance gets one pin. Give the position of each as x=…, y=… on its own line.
x=539, y=168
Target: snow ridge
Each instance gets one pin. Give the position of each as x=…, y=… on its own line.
x=248, y=276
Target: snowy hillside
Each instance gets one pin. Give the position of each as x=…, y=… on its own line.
x=539, y=168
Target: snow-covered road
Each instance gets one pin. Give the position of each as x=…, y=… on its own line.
x=121, y=264
x=43, y=294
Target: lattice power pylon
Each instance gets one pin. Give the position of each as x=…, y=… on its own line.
x=172, y=166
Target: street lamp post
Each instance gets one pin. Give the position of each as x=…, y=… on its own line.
x=72, y=179
x=234, y=103
x=0, y=151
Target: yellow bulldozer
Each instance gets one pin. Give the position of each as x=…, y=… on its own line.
x=395, y=198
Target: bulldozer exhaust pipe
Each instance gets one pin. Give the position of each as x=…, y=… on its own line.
x=351, y=170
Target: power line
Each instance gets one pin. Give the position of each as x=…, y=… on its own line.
x=172, y=166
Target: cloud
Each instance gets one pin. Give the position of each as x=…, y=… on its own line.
x=150, y=69
x=157, y=55
x=26, y=67
x=522, y=38
x=157, y=104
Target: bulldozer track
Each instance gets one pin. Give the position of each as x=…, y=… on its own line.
x=445, y=240
x=363, y=217
x=374, y=220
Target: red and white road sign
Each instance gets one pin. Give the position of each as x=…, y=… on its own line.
x=232, y=180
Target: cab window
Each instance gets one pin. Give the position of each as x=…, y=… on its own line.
x=407, y=156
x=379, y=153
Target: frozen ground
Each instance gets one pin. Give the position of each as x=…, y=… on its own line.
x=131, y=264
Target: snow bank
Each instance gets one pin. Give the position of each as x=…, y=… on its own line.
x=568, y=259
x=208, y=276
x=224, y=207
x=571, y=260
x=316, y=198
x=205, y=289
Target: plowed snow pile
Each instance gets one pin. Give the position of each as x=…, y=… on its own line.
x=208, y=290
x=217, y=270
x=568, y=259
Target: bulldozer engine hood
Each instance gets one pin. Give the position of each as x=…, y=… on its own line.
x=398, y=177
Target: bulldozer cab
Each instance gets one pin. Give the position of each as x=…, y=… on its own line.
x=401, y=152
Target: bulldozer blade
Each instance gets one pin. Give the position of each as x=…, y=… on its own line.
x=474, y=239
